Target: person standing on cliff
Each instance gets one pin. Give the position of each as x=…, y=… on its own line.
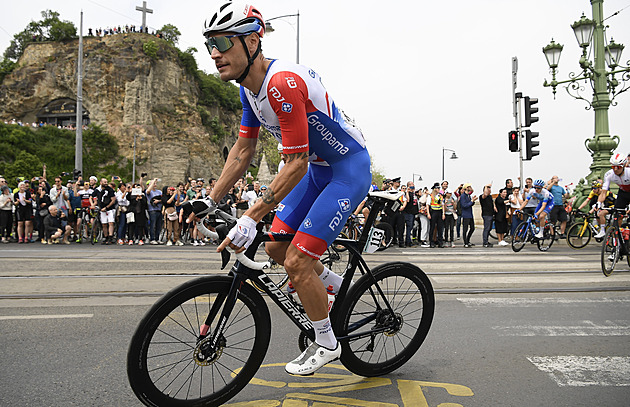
x=315, y=200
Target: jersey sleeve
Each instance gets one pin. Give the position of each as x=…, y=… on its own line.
x=250, y=125
x=288, y=97
x=607, y=178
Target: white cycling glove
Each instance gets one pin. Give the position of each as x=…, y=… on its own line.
x=243, y=234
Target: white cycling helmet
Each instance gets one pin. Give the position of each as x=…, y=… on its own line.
x=618, y=159
x=236, y=17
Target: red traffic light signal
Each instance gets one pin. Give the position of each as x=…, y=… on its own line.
x=513, y=140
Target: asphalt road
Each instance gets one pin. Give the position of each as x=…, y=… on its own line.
x=524, y=329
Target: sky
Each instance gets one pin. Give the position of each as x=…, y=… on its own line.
x=417, y=77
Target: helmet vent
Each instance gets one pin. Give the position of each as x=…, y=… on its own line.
x=224, y=6
x=214, y=17
x=225, y=18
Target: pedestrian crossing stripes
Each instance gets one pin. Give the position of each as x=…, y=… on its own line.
x=539, y=302
x=22, y=317
x=585, y=370
x=584, y=328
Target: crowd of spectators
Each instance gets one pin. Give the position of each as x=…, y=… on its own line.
x=70, y=126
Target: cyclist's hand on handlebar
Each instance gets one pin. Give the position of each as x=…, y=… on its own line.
x=240, y=236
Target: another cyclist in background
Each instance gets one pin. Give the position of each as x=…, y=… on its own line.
x=591, y=201
x=314, y=200
x=558, y=213
x=545, y=204
x=620, y=175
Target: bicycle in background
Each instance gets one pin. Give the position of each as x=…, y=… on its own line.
x=526, y=232
x=616, y=242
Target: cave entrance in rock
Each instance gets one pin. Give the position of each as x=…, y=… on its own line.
x=62, y=112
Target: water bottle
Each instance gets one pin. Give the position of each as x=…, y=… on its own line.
x=331, y=297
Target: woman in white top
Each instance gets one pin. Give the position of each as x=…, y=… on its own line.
x=516, y=201
x=6, y=215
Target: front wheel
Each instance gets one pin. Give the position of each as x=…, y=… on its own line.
x=97, y=232
x=579, y=235
x=171, y=359
x=522, y=234
x=611, y=251
x=549, y=235
x=378, y=340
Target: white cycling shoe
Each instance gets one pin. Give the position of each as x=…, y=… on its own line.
x=312, y=359
x=601, y=233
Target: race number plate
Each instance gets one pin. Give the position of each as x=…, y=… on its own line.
x=374, y=240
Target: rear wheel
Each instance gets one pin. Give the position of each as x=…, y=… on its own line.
x=579, y=235
x=378, y=340
x=549, y=235
x=522, y=234
x=611, y=251
x=171, y=363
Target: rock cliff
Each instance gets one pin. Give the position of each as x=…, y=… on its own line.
x=127, y=92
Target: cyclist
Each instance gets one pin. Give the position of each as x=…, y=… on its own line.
x=314, y=201
x=593, y=197
x=545, y=204
x=620, y=175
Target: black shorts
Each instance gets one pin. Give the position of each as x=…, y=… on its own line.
x=623, y=199
x=24, y=213
x=558, y=213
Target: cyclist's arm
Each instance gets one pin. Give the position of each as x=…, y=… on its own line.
x=236, y=164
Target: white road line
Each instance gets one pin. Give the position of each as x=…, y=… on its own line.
x=19, y=317
x=586, y=328
x=585, y=370
x=537, y=302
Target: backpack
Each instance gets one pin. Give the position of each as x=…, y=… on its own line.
x=458, y=210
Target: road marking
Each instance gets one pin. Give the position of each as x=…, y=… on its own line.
x=537, y=302
x=586, y=328
x=12, y=317
x=585, y=370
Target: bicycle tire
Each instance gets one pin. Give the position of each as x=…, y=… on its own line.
x=546, y=242
x=611, y=251
x=410, y=293
x=522, y=234
x=336, y=260
x=170, y=323
x=579, y=235
x=97, y=232
x=389, y=234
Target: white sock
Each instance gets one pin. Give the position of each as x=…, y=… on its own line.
x=324, y=335
x=329, y=278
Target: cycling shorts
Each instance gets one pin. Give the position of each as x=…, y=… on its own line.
x=547, y=209
x=623, y=199
x=317, y=208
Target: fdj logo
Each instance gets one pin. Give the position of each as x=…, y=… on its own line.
x=344, y=204
x=287, y=107
x=335, y=221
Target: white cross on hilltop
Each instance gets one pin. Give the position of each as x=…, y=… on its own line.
x=144, y=10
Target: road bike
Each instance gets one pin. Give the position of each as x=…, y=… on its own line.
x=96, y=232
x=526, y=232
x=202, y=342
x=580, y=233
x=616, y=242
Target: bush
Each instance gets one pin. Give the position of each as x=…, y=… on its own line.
x=150, y=48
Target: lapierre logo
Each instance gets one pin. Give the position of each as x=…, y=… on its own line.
x=287, y=107
x=285, y=301
x=334, y=223
x=275, y=93
x=344, y=204
x=327, y=135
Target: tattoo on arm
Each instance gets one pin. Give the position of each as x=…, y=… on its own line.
x=237, y=159
x=269, y=196
x=296, y=156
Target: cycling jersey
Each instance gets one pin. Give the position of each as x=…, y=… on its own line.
x=542, y=197
x=609, y=201
x=623, y=181
x=296, y=109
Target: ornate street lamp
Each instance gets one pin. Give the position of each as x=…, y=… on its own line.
x=270, y=29
x=591, y=33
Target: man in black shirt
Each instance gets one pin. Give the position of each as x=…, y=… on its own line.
x=410, y=211
x=487, y=213
x=106, y=197
x=53, y=228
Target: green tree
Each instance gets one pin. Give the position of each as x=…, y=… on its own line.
x=170, y=33
x=25, y=165
x=150, y=48
x=6, y=67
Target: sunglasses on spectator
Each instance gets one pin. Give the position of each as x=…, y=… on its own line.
x=222, y=44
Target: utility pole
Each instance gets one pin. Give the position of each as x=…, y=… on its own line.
x=78, y=145
x=516, y=108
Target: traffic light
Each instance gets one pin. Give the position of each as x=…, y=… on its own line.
x=530, y=110
x=530, y=144
x=76, y=174
x=513, y=140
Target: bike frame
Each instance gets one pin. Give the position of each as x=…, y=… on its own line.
x=241, y=273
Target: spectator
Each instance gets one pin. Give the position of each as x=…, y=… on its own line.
x=138, y=206
x=558, y=213
x=241, y=198
x=170, y=199
x=515, y=203
x=450, y=216
x=467, y=201
x=396, y=219
x=59, y=196
x=501, y=216
x=54, y=228
x=123, y=208
x=84, y=193
x=531, y=205
x=6, y=208
x=24, y=212
x=106, y=202
x=410, y=211
x=509, y=186
x=252, y=194
x=423, y=213
x=435, y=205
x=487, y=213
x=154, y=196
x=458, y=222
x=42, y=205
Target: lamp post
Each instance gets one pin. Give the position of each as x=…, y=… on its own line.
x=452, y=157
x=414, y=178
x=133, y=171
x=604, y=84
x=269, y=29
